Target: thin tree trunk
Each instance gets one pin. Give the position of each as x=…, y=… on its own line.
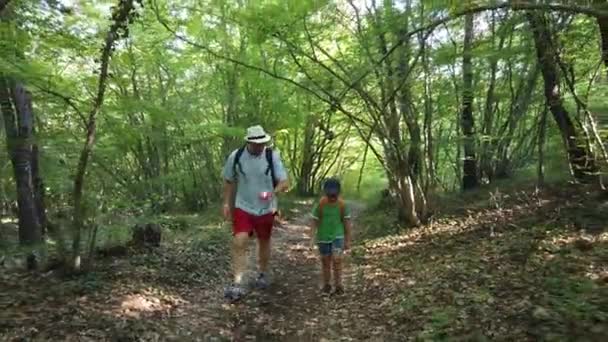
x=581, y=159
x=39, y=193
x=231, y=111
x=488, y=142
x=469, y=169
x=541, y=147
x=602, y=22
x=360, y=178
x=428, y=119
x=120, y=15
x=304, y=184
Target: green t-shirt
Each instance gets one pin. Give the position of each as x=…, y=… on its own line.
x=331, y=226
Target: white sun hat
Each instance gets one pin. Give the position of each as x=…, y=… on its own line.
x=257, y=135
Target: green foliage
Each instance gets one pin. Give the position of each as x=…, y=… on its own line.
x=175, y=107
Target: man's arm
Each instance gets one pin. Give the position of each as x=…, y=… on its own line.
x=228, y=193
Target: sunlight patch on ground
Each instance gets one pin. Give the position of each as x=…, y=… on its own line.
x=443, y=227
x=148, y=301
x=396, y=243
x=597, y=272
x=579, y=239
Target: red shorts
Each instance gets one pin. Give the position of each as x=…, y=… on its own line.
x=243, y=222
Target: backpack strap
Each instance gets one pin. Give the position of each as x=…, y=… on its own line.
x=269, y=158
x=270, y=168
x=322, y=203
x=237, y=162
x=324, y=200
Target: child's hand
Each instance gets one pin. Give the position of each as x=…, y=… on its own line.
x=347, y=245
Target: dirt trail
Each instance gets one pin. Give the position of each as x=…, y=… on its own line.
x=291, y=309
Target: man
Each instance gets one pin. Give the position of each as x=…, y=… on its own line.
x=258, y=174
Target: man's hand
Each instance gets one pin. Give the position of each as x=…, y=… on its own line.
x=283, y=186
x=227, y=212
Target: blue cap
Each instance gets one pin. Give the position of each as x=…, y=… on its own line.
x=331, y=186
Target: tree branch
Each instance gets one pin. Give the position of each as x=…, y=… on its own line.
x=332, y=101
x=68, y=100
x=513, y=5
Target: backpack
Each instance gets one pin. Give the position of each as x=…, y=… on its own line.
x=324, y=200
x=269, y=159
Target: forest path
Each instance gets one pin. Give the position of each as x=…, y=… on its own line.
x=292, y=308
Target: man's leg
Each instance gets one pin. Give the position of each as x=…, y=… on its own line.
x=241, y=230
x=263, y=229
x=239, y=256
x=263, y=254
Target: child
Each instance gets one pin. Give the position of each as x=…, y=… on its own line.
x=331, y=220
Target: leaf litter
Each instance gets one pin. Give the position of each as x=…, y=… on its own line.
x=533, y=267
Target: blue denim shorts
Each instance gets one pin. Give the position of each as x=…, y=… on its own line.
x=330, y=248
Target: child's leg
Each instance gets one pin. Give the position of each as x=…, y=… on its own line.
x=337, y=262
x=326, y=264
x=325, y=252
x=337, y=266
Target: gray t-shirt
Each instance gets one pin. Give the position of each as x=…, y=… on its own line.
x=254, y=180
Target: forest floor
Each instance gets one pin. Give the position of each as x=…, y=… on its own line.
x=521, y=265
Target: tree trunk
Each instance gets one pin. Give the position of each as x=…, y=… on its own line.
x=469, y=169
x=407, y=199
x=3, y=4
x=305, y=178
x=541, y=147
x=120, y=15
x=521, y=101
x=39, y=192
x=602, y=22
x=402, y=186
x=428, y=117
x=581, y=159
x=231, y=110
x=363, y=162
x=16, y=104
x=487, y=152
